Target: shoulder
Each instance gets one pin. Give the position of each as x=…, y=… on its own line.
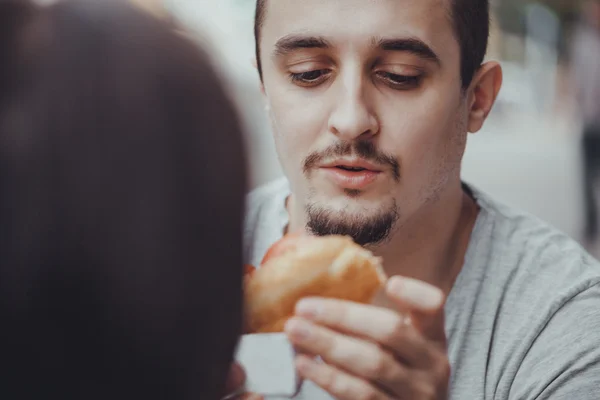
x=537, y=249
x=265, y=219
x=266, y=198
x=268, y=191
x=535, y=268
x=548, y=301
x=563, y=360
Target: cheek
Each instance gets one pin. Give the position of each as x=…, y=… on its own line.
x=296, y=124
x=292, y=135
x=424, y=134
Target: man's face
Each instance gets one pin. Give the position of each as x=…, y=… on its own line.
x=367, y=109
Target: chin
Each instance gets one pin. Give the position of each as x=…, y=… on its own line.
x=367, y=222
x=349, y=203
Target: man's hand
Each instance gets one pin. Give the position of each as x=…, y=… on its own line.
x=375, y=353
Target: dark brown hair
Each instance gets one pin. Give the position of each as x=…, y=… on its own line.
x=471, y=23
x=121, y=202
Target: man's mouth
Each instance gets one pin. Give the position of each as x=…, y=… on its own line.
x=357, y=165
x=353, y=169
x=355, y=175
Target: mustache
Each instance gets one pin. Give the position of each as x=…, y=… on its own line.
x=364, y=149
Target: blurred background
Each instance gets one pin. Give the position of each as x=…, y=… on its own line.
x=529, y=154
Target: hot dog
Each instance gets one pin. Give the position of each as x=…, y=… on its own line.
x=303, y=266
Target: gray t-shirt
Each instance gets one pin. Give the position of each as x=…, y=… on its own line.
x=523, y=318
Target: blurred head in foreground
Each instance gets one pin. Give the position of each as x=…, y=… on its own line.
x=122, y=183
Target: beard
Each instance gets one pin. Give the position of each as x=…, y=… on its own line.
x=364, y=230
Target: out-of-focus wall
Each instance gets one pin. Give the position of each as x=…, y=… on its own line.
x=226, y=27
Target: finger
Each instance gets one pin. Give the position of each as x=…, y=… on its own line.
x=251, y=396
x=364, y=359
x=337, y=383
x=425, y=303
x=249, y=270
x=235, y=379
x=386, y=327
x=245, y=396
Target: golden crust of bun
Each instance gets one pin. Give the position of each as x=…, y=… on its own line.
x=330, y=266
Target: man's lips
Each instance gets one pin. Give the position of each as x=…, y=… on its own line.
x=353, y=165
x=354, y=175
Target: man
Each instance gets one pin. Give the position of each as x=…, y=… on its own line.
x=371, y=102
x=586, y=79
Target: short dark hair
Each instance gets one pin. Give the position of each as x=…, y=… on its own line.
x=122, y=181
x=471, y=20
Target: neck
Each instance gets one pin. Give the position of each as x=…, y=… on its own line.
x=431, y=246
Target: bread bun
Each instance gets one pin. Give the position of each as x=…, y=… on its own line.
x=330, y=266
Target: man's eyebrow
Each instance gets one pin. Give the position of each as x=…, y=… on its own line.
x=409, y=45
x=290, y=43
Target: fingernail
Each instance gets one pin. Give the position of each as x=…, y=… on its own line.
x=417, y=293
x=298, y=329
x=309, y=308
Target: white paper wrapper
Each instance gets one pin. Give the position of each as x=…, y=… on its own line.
x=268, y=360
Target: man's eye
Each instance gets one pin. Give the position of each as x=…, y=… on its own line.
x=310, y=78
x=400, y=82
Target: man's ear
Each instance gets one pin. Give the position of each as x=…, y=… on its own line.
x=483, y=92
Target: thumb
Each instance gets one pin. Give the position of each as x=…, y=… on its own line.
x=424, y=303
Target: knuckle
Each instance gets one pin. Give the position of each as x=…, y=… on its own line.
x=333, y=312
x=331, y=381
x=325, y=340
x=443, y=368
x=398, y=330
x=342, y=313
x=322, y=341
x=368, y=394
x=379, y=366
x=426, y=392
x=341, y=386
x=399, y=376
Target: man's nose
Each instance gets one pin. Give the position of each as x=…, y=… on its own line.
x=352, y=115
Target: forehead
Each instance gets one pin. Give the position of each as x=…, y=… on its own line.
x=358, y=21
